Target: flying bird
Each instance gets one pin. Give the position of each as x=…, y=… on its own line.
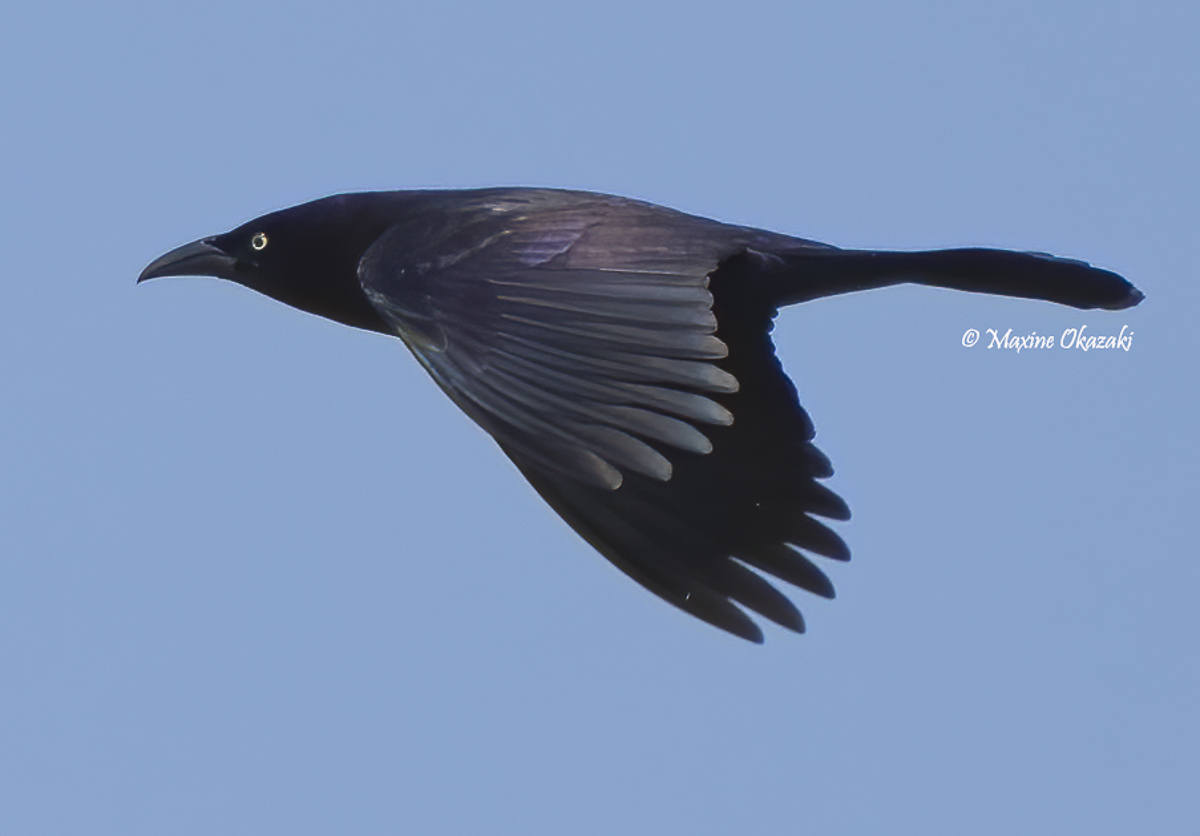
x=619, y=353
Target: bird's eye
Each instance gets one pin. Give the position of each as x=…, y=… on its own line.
x=259, y=241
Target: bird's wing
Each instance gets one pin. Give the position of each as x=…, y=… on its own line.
x=587, y=343
x=590, y=361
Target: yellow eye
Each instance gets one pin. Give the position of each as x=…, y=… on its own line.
x=259, y=241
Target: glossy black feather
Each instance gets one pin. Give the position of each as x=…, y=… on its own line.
x=620, y=354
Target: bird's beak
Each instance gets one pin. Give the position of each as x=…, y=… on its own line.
x=199, y=258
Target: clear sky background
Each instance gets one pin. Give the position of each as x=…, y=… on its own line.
x=260, y=576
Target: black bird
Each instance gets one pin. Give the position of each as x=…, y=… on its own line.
x=620, y=354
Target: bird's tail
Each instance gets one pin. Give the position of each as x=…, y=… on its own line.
x=804, y=274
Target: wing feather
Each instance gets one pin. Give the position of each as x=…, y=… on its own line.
x=595, y=340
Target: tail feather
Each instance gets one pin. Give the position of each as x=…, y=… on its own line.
x=813, y=273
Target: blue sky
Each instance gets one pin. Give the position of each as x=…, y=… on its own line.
x=260, y=576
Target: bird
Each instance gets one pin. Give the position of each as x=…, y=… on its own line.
x=619, y=353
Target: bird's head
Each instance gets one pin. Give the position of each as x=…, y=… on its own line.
x=306, y=256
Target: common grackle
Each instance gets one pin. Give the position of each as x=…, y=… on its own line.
x=620, y=354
